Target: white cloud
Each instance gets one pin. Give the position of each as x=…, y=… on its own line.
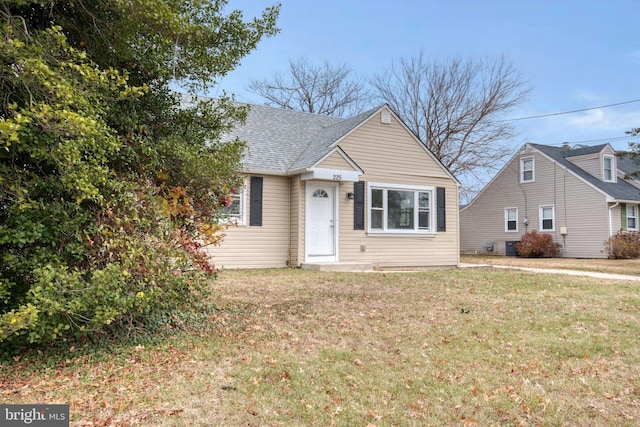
x=589, y=97
x=605, y=120
x=592, y=125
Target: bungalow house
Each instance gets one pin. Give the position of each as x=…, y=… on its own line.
x=325, y=192
x=578, y=195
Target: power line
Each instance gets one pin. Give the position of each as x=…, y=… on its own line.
x=569, y=112
x=619, y=138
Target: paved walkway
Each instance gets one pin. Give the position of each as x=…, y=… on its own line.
x=595, y=274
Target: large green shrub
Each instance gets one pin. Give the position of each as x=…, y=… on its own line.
x=108, y=187
x=536, y=245
x=624, y=245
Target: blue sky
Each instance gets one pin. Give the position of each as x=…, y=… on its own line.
x=574, y=54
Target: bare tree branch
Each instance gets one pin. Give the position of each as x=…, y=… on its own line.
x=320, y=89
x=454, y=107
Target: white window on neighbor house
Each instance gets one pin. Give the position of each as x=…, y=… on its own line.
x=527, y=173
x=511, y=220
x=547, y=218
x=632, y=217
x=608, y=168
x=400, y=209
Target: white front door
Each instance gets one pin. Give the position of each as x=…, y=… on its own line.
x=321, y=226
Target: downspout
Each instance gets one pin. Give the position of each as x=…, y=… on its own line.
x=290, y=221
x=610, y=220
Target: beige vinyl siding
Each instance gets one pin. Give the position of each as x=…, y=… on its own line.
x=579, y=207
x=297, y=190
x=389, y=154
x=263, y=246
x=335, y=161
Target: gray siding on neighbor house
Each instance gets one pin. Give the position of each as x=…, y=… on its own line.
x=616, y=218
x=594, y=163
x=579, y=207
x=591, y=163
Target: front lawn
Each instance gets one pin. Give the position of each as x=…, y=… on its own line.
x=292, y=347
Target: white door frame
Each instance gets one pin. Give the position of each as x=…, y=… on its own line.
x=332, y=188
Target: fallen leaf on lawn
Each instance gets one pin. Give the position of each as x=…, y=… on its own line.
x=470, y=422
x=170, y=411
x=474, y=390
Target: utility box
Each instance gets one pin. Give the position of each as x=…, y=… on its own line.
x=510, y=248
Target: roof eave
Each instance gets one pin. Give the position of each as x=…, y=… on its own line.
x=265, y=172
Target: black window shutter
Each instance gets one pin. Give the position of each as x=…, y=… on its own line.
x=255, y=208
x=441, y=210
x=358, y=206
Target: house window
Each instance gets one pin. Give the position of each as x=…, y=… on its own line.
x=400, y=209
x=511, y=219
x=608, y=168
x=547, y=218
x=632, y=217
x=527, y=170
x=235, y=212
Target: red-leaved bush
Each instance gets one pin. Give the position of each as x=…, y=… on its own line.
x=624, y=245
x=536, y=245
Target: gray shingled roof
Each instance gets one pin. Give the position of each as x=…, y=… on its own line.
x=620, y=190
x=628, y=163
x=284, y=141
x=324, y=141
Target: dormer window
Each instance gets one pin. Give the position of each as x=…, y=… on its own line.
x=526, y=170
x=608, y=168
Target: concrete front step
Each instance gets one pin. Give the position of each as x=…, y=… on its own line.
x=338, y=266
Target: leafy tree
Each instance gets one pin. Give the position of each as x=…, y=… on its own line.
x=321, y=89
x=109, y=186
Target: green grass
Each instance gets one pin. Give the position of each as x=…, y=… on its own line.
x=443, y=347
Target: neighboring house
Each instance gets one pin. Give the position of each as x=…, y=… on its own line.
x=578, y=195
x=361, y=192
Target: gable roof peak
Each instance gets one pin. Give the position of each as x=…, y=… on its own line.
x=567, y=151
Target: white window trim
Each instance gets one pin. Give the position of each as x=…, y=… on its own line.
x=553, y=218
x=400, y=187
x=628, y=216
x=533, y=169
x=613, y=168
x=506, y=220
x=239, y=219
